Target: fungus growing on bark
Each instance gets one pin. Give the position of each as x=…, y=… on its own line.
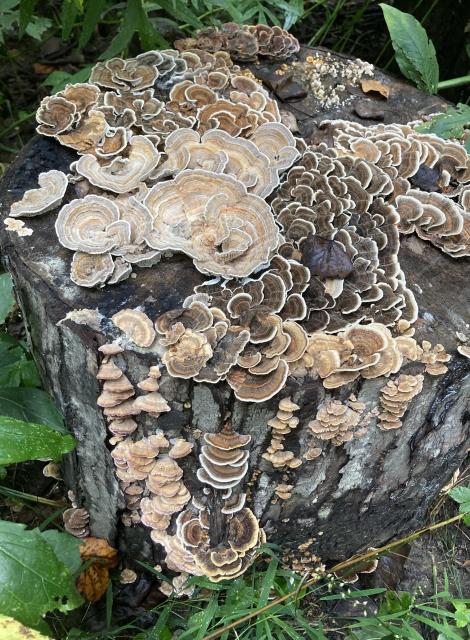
x=339, y=422
x=17, y=226
x=90, y=270
x=122, y=174
x=212, y=219
x=244, y=42
x=281, y=425
x=136, y=325
x=76, y=522
x=395, y=398
x=224, y=463
x=434, y=358
x=52, y=187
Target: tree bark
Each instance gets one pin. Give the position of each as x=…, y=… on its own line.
x=361, y=494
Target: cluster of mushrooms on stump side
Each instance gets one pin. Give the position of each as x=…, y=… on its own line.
x=244, y=274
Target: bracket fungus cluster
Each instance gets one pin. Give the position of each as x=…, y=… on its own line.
x=184, y=152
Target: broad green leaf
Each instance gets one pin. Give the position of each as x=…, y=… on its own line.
x=11, y=629
x=66, y=548
x=454, y=123
x=135, y=20
x=93, y=12
x=58, y=79
x=414, y=51
x=20, y=441
x=38, y=26
x=68, y=15
x=30, y=405
x=33, y=580
x=7, y=299
x=27, y=8
x=460, y=494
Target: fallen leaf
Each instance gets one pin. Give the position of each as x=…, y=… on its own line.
x=99, y=550
x=42, y=69
x=375, y=86
x=93, y=582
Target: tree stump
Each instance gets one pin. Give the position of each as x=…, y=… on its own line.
x=361, y=494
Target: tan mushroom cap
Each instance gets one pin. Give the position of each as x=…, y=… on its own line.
x=180, y=449
x=227, y=439
x=220, y=152
x=81, y=225
x=55, y=115
x=109, y=371
x=123, y=174
x=395, y=398
x=110, y=349
x=464, y=350
x=123, y=426
x=153, y=403
x=52, y=187
x=149, y=384
x=243, y=531
x=136, y=325
x=76, y=522
x=187, y=357
x=88, y=270
x=225, y=230
x=257, y=388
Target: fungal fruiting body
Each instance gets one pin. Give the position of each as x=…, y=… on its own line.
x=185, y=152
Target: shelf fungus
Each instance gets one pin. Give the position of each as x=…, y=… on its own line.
x=76, y=522
x=395, y=398
x=184, y=151
x=224, y=462
x=211, y=218
x=136, y=325
x=281, y=426
x=244, y=42
x=52, y=187
x=339, y=422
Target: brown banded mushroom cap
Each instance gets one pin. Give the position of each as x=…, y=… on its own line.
x=257, y=388
x=180, y=449
x=76, y=522
x=136, y=325
x=187, y=357
x=464, y=350
x=55, y=115
x=89, y=270
x=149, y=384
x=110, y=349
x=122, y=174
x=243, y=531
x=220, y=152
x=227, y=439
x=52, y=187
x=226, y=230
x=109, y=371
x=123, y=426
x=81, y=224
x=153, y=403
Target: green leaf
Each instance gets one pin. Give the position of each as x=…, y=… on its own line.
x=20, y=441
x=454, y=123
x=460, y=494
x=93, y=12
x=7, y=299
x=68, y=15
x=58, y=79
x=30, y=405
x=135, y=20
x=38, y=26
x=33, y=581
x=66, y=548
x=27, y=8
x=414, y=51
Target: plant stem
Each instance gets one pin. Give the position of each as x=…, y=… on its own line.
x=341, y=565
x=20, y=495
x=455, y=82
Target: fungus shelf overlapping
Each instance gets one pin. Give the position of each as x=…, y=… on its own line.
x=184, y=152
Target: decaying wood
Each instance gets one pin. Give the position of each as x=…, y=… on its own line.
x=360, y=494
